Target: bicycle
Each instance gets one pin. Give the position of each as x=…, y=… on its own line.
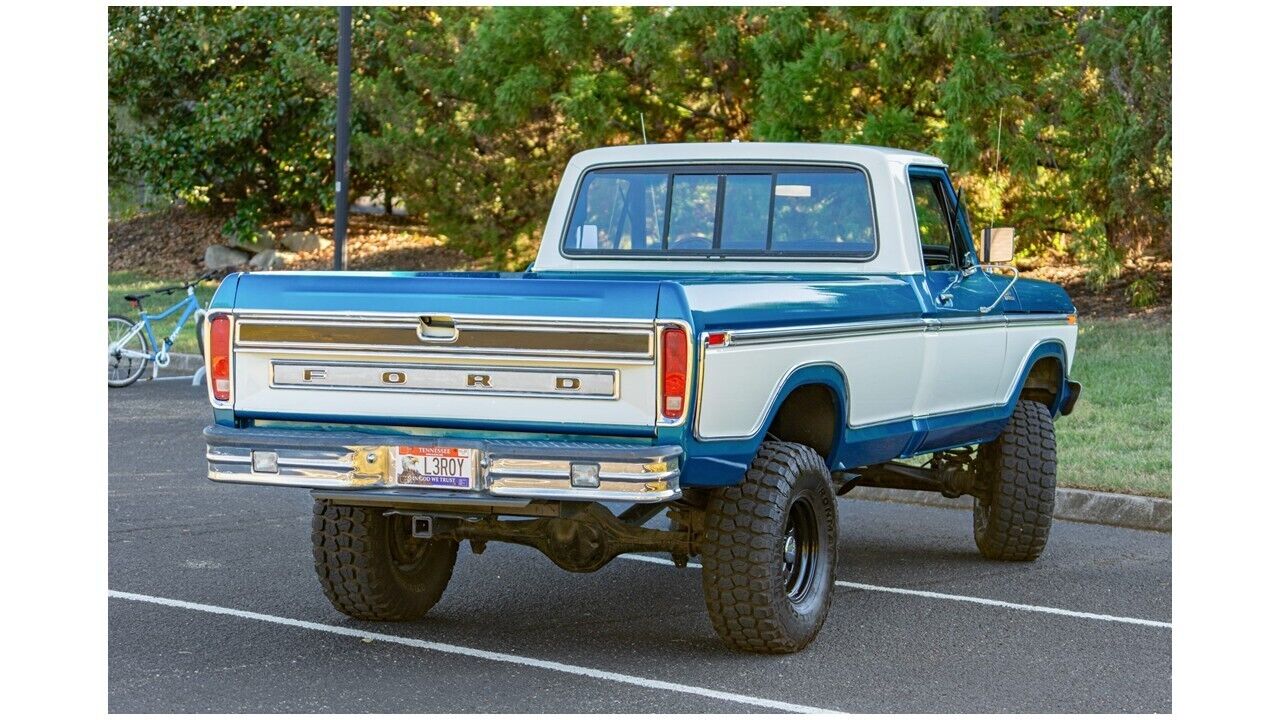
x=130, y=343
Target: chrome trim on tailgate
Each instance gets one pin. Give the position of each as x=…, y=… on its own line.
x=472, y=335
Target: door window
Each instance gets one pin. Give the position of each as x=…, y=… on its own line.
x=933, y=219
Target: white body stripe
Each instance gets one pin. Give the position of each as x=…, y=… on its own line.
x=961, y=369
x=890, y=375
x=739, y=384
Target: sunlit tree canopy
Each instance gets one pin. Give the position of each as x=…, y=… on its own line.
x=469, y=114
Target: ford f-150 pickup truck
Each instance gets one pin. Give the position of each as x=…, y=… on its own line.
x=713, y=343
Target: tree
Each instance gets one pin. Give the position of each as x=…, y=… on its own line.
x=230, y=107
x=471, y=113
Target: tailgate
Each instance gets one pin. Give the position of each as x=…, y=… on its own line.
x=447, y=350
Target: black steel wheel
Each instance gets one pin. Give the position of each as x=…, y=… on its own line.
x=801, y=545
x=769, y=552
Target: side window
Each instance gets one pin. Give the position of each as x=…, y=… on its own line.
x=934, y=220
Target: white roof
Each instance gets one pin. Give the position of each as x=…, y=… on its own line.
x=749, y=151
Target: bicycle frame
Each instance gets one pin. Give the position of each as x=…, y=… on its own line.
x=160, y=355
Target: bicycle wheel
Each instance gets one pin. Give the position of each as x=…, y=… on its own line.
x=125, y=369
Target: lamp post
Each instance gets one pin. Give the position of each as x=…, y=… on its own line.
x=342, y=169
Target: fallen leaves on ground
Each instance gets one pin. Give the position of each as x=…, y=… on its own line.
x=1112, y=299
x=170, y=244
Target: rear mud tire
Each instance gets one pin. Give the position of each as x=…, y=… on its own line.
x=372, y=568
x=769, y=552
x=1012, y=516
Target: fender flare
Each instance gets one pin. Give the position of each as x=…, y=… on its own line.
x=721, y=461
x=826, y=374
x=1045, y=349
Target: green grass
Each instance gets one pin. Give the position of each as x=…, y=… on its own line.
x=1120, y=436
x=124, y=283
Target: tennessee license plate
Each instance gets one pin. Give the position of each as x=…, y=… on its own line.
x=436, y=467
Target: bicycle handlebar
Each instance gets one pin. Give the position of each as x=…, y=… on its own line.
x=189, y=283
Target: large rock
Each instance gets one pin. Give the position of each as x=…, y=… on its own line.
x=218, y=257
x=263, y=239
x=302, y=241
x=270, y=260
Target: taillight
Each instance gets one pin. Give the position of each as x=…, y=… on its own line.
x=219, y=367
x=675, y=371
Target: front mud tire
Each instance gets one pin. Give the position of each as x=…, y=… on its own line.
x=769, y=552
x=1013, y=513
x=372, y=568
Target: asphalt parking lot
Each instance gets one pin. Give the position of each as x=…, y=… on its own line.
x=213, y=607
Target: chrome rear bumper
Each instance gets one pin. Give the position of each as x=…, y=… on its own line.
x=514, y=469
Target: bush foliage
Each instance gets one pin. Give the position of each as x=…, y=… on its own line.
x=469, y=114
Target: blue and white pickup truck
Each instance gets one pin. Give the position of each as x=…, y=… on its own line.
x=732, y=334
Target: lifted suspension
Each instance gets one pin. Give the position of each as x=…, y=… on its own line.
x=952, y=473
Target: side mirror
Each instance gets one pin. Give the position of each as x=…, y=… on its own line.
x=997, y=245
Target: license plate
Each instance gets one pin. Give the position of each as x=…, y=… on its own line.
x=436, y=467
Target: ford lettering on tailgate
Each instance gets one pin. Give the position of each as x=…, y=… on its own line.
x=445, y=379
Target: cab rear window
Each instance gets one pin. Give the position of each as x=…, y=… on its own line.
x=719, y=211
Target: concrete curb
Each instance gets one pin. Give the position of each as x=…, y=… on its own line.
x=184, y=364
x=1088, y=506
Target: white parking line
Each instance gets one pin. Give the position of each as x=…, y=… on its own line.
x=957, y=598
x=476, y=653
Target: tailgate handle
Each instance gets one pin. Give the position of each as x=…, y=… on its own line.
x=437, y=328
